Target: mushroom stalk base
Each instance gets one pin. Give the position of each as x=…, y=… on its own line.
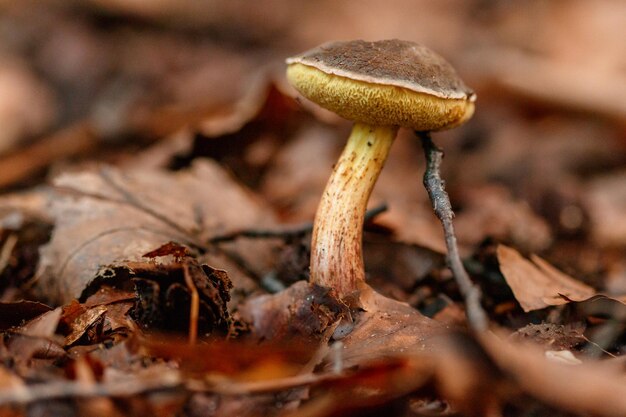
x=336, y=248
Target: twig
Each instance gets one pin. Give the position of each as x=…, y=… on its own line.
x=7, y=250
x=286, y=233
x=25, y=394
x=435, y=187
x=194, y=307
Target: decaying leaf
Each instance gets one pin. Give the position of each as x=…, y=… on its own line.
x=166, y=293
x=536, y=284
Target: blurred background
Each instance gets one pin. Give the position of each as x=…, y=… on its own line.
x=542, y=165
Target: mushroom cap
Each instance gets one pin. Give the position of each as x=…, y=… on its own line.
x=389, y=82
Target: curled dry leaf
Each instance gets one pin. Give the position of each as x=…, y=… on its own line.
x=536, y=284
x=106, y=218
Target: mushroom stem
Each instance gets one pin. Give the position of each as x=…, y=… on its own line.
x=336, y=248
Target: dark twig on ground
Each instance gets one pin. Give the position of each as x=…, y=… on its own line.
x=435, y=187
x=286, y=233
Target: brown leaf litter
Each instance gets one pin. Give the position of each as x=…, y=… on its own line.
x=107, y=218
x=536, y=284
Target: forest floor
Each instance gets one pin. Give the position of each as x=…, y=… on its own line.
x=159, y=180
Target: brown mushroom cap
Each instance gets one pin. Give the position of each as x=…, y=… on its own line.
x=389, y=82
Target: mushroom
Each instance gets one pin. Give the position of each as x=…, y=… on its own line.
x=381, y=86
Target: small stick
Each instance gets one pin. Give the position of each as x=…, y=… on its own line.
x=435, y=187
x=194, y=308
x=287, y=232
x=7, y=250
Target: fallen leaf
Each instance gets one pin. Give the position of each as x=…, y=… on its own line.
x=43, y=326
x=302, y=311
x=36, y=339
x=108, y=295
x=13, y=314
x=386, y=328
x=108, y=218
x=82, y=323
x=226, y=362
x=380, y=328
x=492, y=211
x=587, y=388
x=536, y=284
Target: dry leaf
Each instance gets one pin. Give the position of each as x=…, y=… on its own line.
x=381, y=328
x=588, y=388
x=536, y=284
x=492, y=211
x=386, y=328
x=107, y=218
x=83, y=322
x=13, y=314
x=301, y=312
x=43, y=326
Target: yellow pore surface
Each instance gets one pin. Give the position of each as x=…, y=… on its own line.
x=378, y=104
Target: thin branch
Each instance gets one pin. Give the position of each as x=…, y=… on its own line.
x=25, y=394
x=286, y=233
x=7, y=250
x=194, y=306
x=435, y=187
